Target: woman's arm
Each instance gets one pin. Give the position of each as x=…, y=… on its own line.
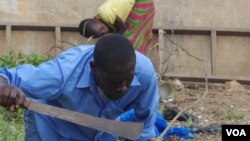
x=119, y=25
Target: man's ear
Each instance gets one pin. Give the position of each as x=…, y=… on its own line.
x=92, y=66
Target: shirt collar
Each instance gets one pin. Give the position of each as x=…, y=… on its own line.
x=86, y=78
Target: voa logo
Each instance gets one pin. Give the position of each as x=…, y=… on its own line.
x=236, y=132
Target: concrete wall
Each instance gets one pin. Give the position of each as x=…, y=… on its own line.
x=169, y=13
x=226, y=53
x=47, y=11
x=203, y=13
x=230, y=58
x=189, y=23
x=179, y=61
x=42, y=13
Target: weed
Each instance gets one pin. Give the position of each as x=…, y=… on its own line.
x=234, y=115
x=11, y=123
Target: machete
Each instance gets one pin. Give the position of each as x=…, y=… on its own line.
x=129, y=130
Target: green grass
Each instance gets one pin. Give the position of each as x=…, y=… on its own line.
x=13, y=59
x=234, y=115
x=11, y=125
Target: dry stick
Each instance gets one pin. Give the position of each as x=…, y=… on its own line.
x=62, y=41
x=166, y=64
x=54, y=47
x=183, y=49
x=59, y=47
x=177, y=116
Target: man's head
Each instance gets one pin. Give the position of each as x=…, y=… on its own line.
x=92, y=27
x=113, y=65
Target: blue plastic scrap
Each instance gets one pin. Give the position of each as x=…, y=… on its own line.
x=160, y=125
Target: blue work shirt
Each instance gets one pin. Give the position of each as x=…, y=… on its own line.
x=67, y=81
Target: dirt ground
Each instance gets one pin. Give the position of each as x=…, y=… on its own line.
x=220, y=106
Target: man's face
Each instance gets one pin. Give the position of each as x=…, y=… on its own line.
x=115, y=83
x=99, y=28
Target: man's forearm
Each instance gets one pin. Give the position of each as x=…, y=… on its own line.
x=2, y=81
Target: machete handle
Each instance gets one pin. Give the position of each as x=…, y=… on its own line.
x=26, y=103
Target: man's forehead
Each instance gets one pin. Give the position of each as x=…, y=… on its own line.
x=113, y=70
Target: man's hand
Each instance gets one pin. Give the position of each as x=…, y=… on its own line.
x=11, y=97
x=155, y=139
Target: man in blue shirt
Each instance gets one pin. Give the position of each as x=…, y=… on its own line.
x=102, y=80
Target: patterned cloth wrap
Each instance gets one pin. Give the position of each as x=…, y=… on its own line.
x=139, y=24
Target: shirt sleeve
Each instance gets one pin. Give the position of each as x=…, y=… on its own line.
x=107, y=13
x=44, y=81
x=147, y=108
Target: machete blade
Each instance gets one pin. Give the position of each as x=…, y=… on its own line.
x=129, y=130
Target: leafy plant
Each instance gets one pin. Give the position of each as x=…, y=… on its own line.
x=234, y=115
x=13, y=59
x=11, y=130
x=11, y=123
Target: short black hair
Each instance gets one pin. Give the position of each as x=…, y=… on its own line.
x=113, y=50
x=85, y=25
